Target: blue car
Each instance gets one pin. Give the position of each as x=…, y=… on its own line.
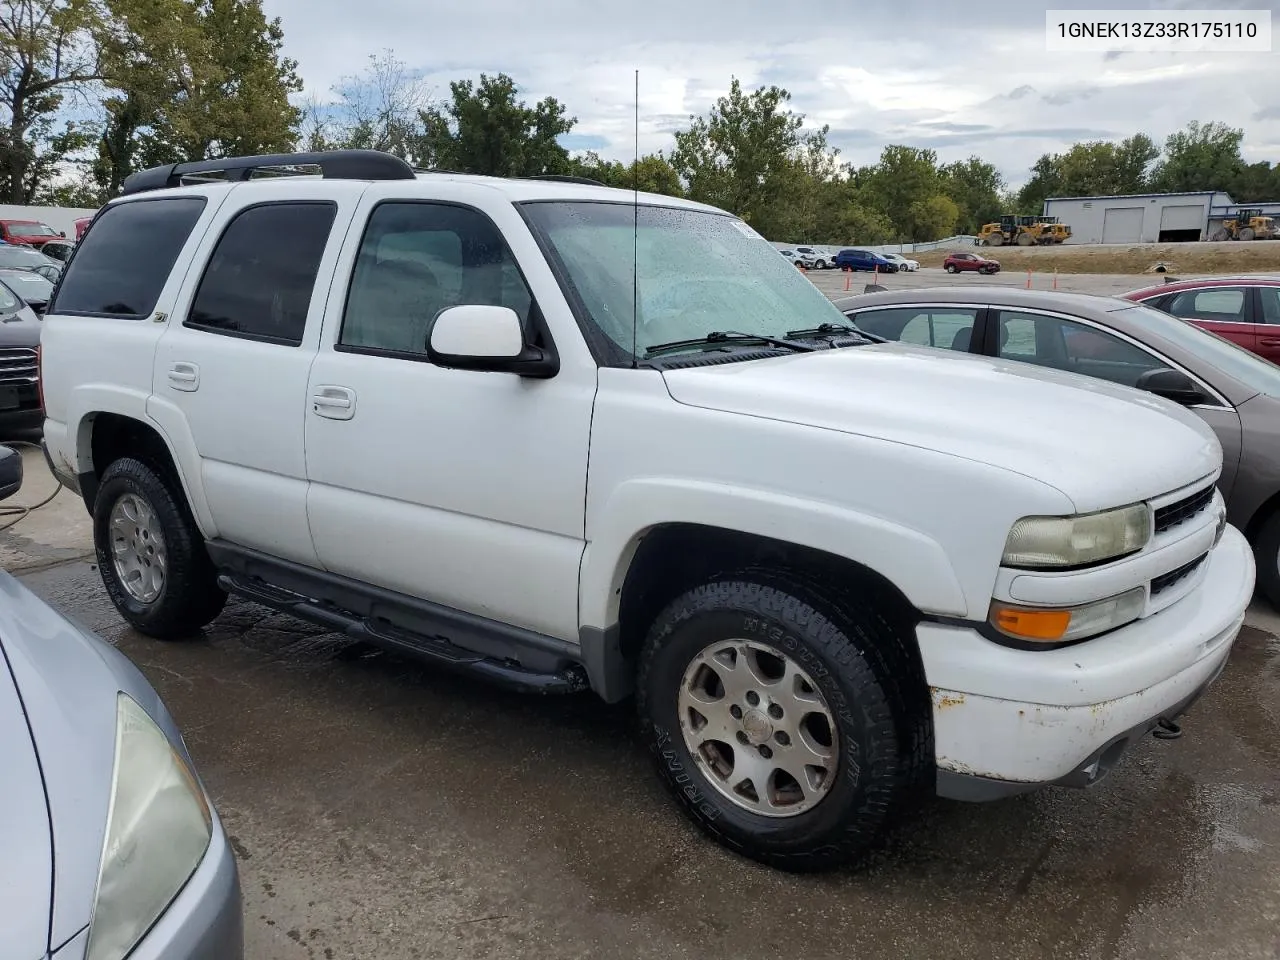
x=856, y=260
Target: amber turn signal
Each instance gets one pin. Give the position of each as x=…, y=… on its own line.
x=1047, y=626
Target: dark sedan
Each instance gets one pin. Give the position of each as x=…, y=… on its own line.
x=1234, y=391
x=33, y=288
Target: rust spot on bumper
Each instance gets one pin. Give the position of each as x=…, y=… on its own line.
x=942, y=699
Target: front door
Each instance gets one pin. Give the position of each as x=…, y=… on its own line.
x=231, y=368
x=459, y=487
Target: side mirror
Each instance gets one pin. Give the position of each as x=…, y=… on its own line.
x=62, y=234
x=10, y=472
x=1172, y=385
x=489, y=338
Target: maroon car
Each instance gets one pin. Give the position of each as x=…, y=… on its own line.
x=970, y=262
x=1245, y=310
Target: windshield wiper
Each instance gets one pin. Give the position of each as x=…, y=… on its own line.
x=728, y=336
x=835, y=329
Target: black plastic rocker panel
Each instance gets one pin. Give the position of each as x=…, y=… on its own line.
x=509, y=656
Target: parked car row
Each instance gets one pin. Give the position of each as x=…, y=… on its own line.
x=816, y=258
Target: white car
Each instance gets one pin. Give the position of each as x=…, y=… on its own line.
x=819, y=258
x=902, y=262
x=548, y=434
x=801, y=259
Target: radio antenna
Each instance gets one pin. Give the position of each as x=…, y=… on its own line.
x=635, y=230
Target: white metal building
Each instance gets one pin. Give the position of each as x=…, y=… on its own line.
x=1148, y=217
x=1138, y=218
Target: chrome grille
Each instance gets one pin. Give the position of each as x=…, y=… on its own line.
x=17, y=365
x=1180, y=511
x=1176, y=575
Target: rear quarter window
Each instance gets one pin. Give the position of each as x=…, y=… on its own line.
x=121, y=265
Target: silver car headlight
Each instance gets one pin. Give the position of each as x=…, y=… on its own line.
x=158, y=828
x=1040, y=543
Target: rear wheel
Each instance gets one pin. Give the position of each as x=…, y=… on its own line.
x=951, y=268
x=150, y=553
x=1247, y=234
x=776, y=723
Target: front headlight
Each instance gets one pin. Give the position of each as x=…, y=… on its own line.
x=158, y=828
x=1048, y=543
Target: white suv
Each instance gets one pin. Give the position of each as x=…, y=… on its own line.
x=529, y=430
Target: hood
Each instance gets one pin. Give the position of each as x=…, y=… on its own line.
x=68, y=680
x=1101, y=444
x=21, y=329
x=26, y=869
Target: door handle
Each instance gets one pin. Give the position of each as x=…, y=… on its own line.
x=1269, y=341
x=184, y=376
x=336, y=403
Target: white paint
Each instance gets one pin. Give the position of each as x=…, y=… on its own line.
x=478, y=330
x=475, y=490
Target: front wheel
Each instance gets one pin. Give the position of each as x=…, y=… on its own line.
x=775, y=724
x=821, y=265
x=151, y=555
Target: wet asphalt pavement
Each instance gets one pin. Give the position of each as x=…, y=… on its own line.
x=382, y=809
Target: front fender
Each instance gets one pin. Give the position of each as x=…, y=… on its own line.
x=911, y=561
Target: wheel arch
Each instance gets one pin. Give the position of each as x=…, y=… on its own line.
x=105, y=436
x=627, y=580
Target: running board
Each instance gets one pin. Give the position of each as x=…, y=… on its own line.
x=380, y=632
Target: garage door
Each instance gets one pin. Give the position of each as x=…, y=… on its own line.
x=1122, y=225
x=1182, y=217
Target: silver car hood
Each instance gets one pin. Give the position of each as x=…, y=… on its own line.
x=68, y=680
x=26, y=863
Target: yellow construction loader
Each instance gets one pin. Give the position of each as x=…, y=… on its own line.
x=1023, y=230
x=1247, y=225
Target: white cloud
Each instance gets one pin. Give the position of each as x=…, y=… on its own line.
x=920, y=72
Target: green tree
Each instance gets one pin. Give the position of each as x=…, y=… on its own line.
x=1204, y=156
x=653, y=174
x=1095, y=168
x=192, y=79
x=485, y=129
x=932, y=218
x=1257, y=182
x=744, y=156
x=902, y=177
x=47, y=54
x=975, y=187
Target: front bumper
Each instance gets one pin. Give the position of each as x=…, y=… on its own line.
x=204, y=922
x=1007, y=721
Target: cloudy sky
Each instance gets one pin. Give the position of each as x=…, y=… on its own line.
x=959, y=77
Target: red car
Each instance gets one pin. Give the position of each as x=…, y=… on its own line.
x=1245, y=310
x=971, y=262
x=81, y=226
x=29, y=233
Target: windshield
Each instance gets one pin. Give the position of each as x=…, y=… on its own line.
x=30, y=230
x=18, y=257
x=697, y=273
x=1233, y=360
x=8, y=302
x=29, y=286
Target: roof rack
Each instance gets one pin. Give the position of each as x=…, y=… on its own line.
x=333, y=164
x=565, y=178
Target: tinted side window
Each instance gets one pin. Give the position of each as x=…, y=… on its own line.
x=259, y=281
x=1270, y=304
x=121, y=265
x=1075, y=347
x=1225, y=304
x=417, y=259
x=947, y=328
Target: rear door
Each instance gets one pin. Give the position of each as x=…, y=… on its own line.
x=231, y=370
x=1224, y=310
x=1266, y=315
x=928, y=325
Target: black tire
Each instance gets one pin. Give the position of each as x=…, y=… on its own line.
x=951, y=268
x=1266, y=554
x=190, y=597
x=848, y=655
